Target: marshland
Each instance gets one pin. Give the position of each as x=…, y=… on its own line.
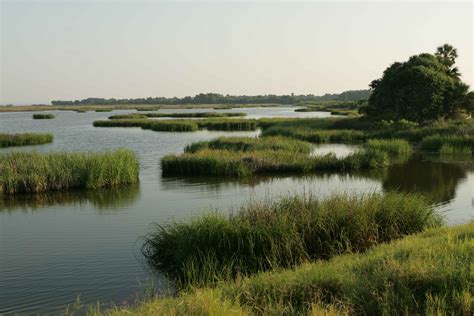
x=188, y=159
x=439, y=188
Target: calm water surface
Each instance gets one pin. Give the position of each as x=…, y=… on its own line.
x=58, y=246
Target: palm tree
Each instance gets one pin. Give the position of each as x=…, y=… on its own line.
x=447, y=55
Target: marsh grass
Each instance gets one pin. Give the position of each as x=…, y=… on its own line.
x=392, y=146
x=281, y=234
x=43, y=116
x=197, y=114
x=24, y=139
x=449, y=144
x=103, y=110
x=129, y=116
x=179, y=125
x=221, y=162
x=32, y=172
x=251, y=144
x=317, y=136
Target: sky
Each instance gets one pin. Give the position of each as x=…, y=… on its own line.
x=68, y=50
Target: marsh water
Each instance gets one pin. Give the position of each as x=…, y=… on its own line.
x=58, y=247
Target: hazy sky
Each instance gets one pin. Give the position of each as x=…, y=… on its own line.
x=78, y=49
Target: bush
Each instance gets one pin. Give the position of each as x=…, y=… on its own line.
x=43, y=116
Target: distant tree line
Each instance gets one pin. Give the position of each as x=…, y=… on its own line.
x=215, y=98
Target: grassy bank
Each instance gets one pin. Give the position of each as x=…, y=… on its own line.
x=391, y=146
x=426, y=274
x=43, y=116
x=197, y=114
x=22, y=172
x=284, y=233
x=24, y=139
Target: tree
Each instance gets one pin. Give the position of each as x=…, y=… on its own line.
x=422, y=88
x=447, y=55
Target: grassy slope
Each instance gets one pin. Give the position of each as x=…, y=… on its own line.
x=429, y=273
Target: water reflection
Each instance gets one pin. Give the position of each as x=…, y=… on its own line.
x=435, y=179
x=103, y=200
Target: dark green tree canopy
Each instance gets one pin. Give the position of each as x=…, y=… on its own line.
x=420, y=89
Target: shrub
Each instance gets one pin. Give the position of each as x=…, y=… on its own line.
x=43, y=116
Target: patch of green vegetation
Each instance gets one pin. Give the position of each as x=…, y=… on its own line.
x=32, y=172
x=197, y=114
x=281, y=234
x=43, y=116
x=129, y=116
x=218, y=162
x=103, y=110
x=448, y=143
x=391, y=146
x=181, y=125
x=426, y=274
x=251, y=144
x=24, y=139
x=317, y=136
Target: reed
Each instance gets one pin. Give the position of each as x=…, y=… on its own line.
x=391, y=146
x=32, y=172
x=282, y=234
x=24, y=139
x=317, y=136
x=228, y=124
x=43, y=116
x=129, y=116
x=103, y=110
x=197, y=114
x=448, y=143
x=251, y=144
x=171, y=125
x=219, y=162
x=121, y=123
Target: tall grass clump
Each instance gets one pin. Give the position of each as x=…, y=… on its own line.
x=197, y=114
x=251, y=144
x=33, y=172
x=448, y=144
x=316, y=136
x=43, y=116
x=391, y=146
x=282, y=234
x=121, y=123
x=221, y=162
x=129, y=116
x=228, y=124
x=171, y=125
x=24, y=139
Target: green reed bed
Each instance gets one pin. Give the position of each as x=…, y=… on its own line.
x=281, y=234
x=121, y=123
x=317, y=136
x=391, y=146
x=43, y=116
x=33, y=172
x=208, y=162
x=103, y=110
x=197, y=114
x=228, y=124
x=449, y=144
x=171, y=125
x=24, y=139
x=129, y=116
x=251, y=144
